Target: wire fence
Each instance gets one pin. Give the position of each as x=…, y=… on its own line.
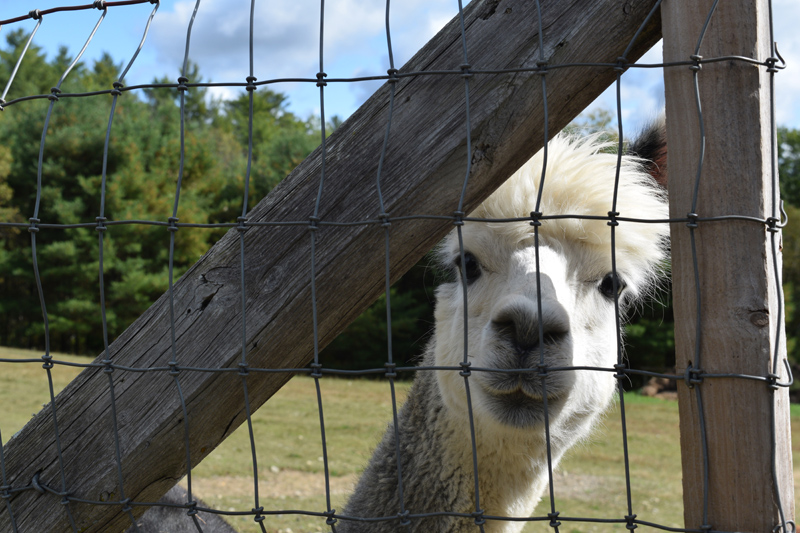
x=694, y=377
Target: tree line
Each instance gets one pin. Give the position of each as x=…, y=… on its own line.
x=142, y=169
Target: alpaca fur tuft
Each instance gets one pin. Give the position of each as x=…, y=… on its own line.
x=576, y=284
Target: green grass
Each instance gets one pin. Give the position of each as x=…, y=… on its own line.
x=590, y=482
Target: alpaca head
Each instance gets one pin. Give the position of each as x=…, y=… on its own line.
x=548, y=307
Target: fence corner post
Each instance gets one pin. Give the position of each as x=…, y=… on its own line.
x=735, y=434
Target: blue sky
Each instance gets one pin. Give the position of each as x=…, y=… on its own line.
x=287, y=45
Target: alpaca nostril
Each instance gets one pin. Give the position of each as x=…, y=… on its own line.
x=525, y=335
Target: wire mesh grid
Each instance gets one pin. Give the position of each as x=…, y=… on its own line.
x=314, y=225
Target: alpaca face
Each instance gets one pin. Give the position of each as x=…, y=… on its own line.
x=520, y=341
x=534, y=311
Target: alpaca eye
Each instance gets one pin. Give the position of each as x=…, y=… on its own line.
x=471, y=269
x=611, y=282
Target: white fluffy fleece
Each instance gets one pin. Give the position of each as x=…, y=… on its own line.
x=503, y=333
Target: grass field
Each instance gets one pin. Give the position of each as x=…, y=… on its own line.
x=590, y=482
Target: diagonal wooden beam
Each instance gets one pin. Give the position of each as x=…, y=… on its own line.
x=423, y=171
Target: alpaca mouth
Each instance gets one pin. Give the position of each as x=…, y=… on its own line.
x=518, y=371
x=521, y=409
x=518, y=394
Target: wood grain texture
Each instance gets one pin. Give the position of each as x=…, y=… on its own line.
x=423, y=172
x=738, y=289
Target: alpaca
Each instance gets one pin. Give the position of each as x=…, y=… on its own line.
x=578, y=289
x=167, y=519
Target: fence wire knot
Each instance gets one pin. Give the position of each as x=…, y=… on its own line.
x=553, y=519
x=191, y=508
x=404, y=521
x=465, y=371
x=784, y=527
x=541, y=66
x=107, y=368
x=48, y=361
x=99, y=4
x=244, y=370
x=35, y=14
x=692, y=376
x=101, y=223
x=384, y=218
x=773, y=224
x=172, y=221
x=392, y=72
x=126, y=508
x=54, y=92
x=316, y=370
x=772, y=62
x=33, y=228
x=541, y=370
x=313, y=223
x=182, y=83
x=612, y=218
x=173, y=369
x=465, y=70
x=692, y=220
x=390, y=370
x=477, y=514
x=331, y=520
x=458, y=218
x=258, y=518
x=629, y=522
x=621, y=64
x=242, y=224
x=620, y=368
x=535, y=216
x=321, y=79
x=696, y=59
x=250, y=87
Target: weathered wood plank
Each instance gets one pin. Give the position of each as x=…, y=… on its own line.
x=424, y=169
x=738, y=289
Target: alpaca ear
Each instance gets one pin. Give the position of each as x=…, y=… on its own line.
x=651, y=145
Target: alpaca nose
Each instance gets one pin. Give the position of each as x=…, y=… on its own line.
x=520, y=323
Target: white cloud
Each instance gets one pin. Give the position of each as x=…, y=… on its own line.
x=286, y=42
